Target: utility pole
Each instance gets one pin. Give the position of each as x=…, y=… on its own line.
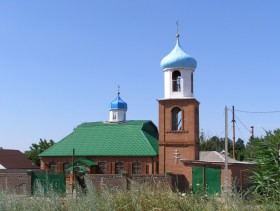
x=226, y=151
x=233, y=134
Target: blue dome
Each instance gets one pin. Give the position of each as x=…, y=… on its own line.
x=118, y=103
x=178, y=58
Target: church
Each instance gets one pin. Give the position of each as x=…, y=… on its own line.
x=109, y=147
x=139, y=147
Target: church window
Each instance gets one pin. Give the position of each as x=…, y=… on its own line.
x=114, y=116
x=192, y=82
x=176, y=81
x=157, y=167
x=136, y=167
x=102, y=167
x=53, y=167
x=176, y=118
x=147, y=169
x=118, y=167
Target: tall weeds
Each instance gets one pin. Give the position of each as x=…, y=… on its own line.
x=138, y=197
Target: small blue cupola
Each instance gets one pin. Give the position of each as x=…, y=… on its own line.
x=178, y=58
x=118, y=103
x=117, y=109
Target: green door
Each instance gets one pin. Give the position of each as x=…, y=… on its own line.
x=213, y=180
x=48, y=182
x=197, y=180
x=206, y=180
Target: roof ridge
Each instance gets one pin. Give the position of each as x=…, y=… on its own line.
x=102, y=123
x=220, y=155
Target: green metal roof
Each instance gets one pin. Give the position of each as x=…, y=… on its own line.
x=130, y=138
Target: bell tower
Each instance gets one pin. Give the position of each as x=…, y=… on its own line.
x=178, y=112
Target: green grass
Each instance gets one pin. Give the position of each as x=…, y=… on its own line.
x=139, y=197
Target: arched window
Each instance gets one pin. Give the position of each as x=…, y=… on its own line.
x=197, y=120
x=176, y=119
x=118, y=167
x=136, y=167
x=53, y=166
x=176, y=81
x=102, y=167
x=114, y=116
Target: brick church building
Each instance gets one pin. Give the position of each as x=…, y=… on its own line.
x=109, y=147
x=138, y=147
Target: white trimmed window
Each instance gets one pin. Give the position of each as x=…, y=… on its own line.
x=102, y=167
x=118, y=167
x=136, y=167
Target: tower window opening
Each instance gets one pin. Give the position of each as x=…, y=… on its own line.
x=176, y=119
x=197, y=120
x=114, y=116
x=192, y=83
x=176, y=81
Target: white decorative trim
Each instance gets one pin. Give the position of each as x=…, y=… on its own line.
x=179, y=68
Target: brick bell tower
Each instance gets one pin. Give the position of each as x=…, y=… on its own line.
x=178, y=113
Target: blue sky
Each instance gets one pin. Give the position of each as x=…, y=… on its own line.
x=61, y=63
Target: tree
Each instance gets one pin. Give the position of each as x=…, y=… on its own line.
x=37, y=149
x=266, y=175
x=240, y=149
x=218, y=144
x=215, y=144
x=212, y=144
x=250, y=148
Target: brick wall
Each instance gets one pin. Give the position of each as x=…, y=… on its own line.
x=15, y=180
x=186, y=141
x=107, y=181
x=239, y=175
x=110, y=163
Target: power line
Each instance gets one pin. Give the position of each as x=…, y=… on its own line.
x=240, y=133
x=242, y=123
x=258, y=112
x=221, y=133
